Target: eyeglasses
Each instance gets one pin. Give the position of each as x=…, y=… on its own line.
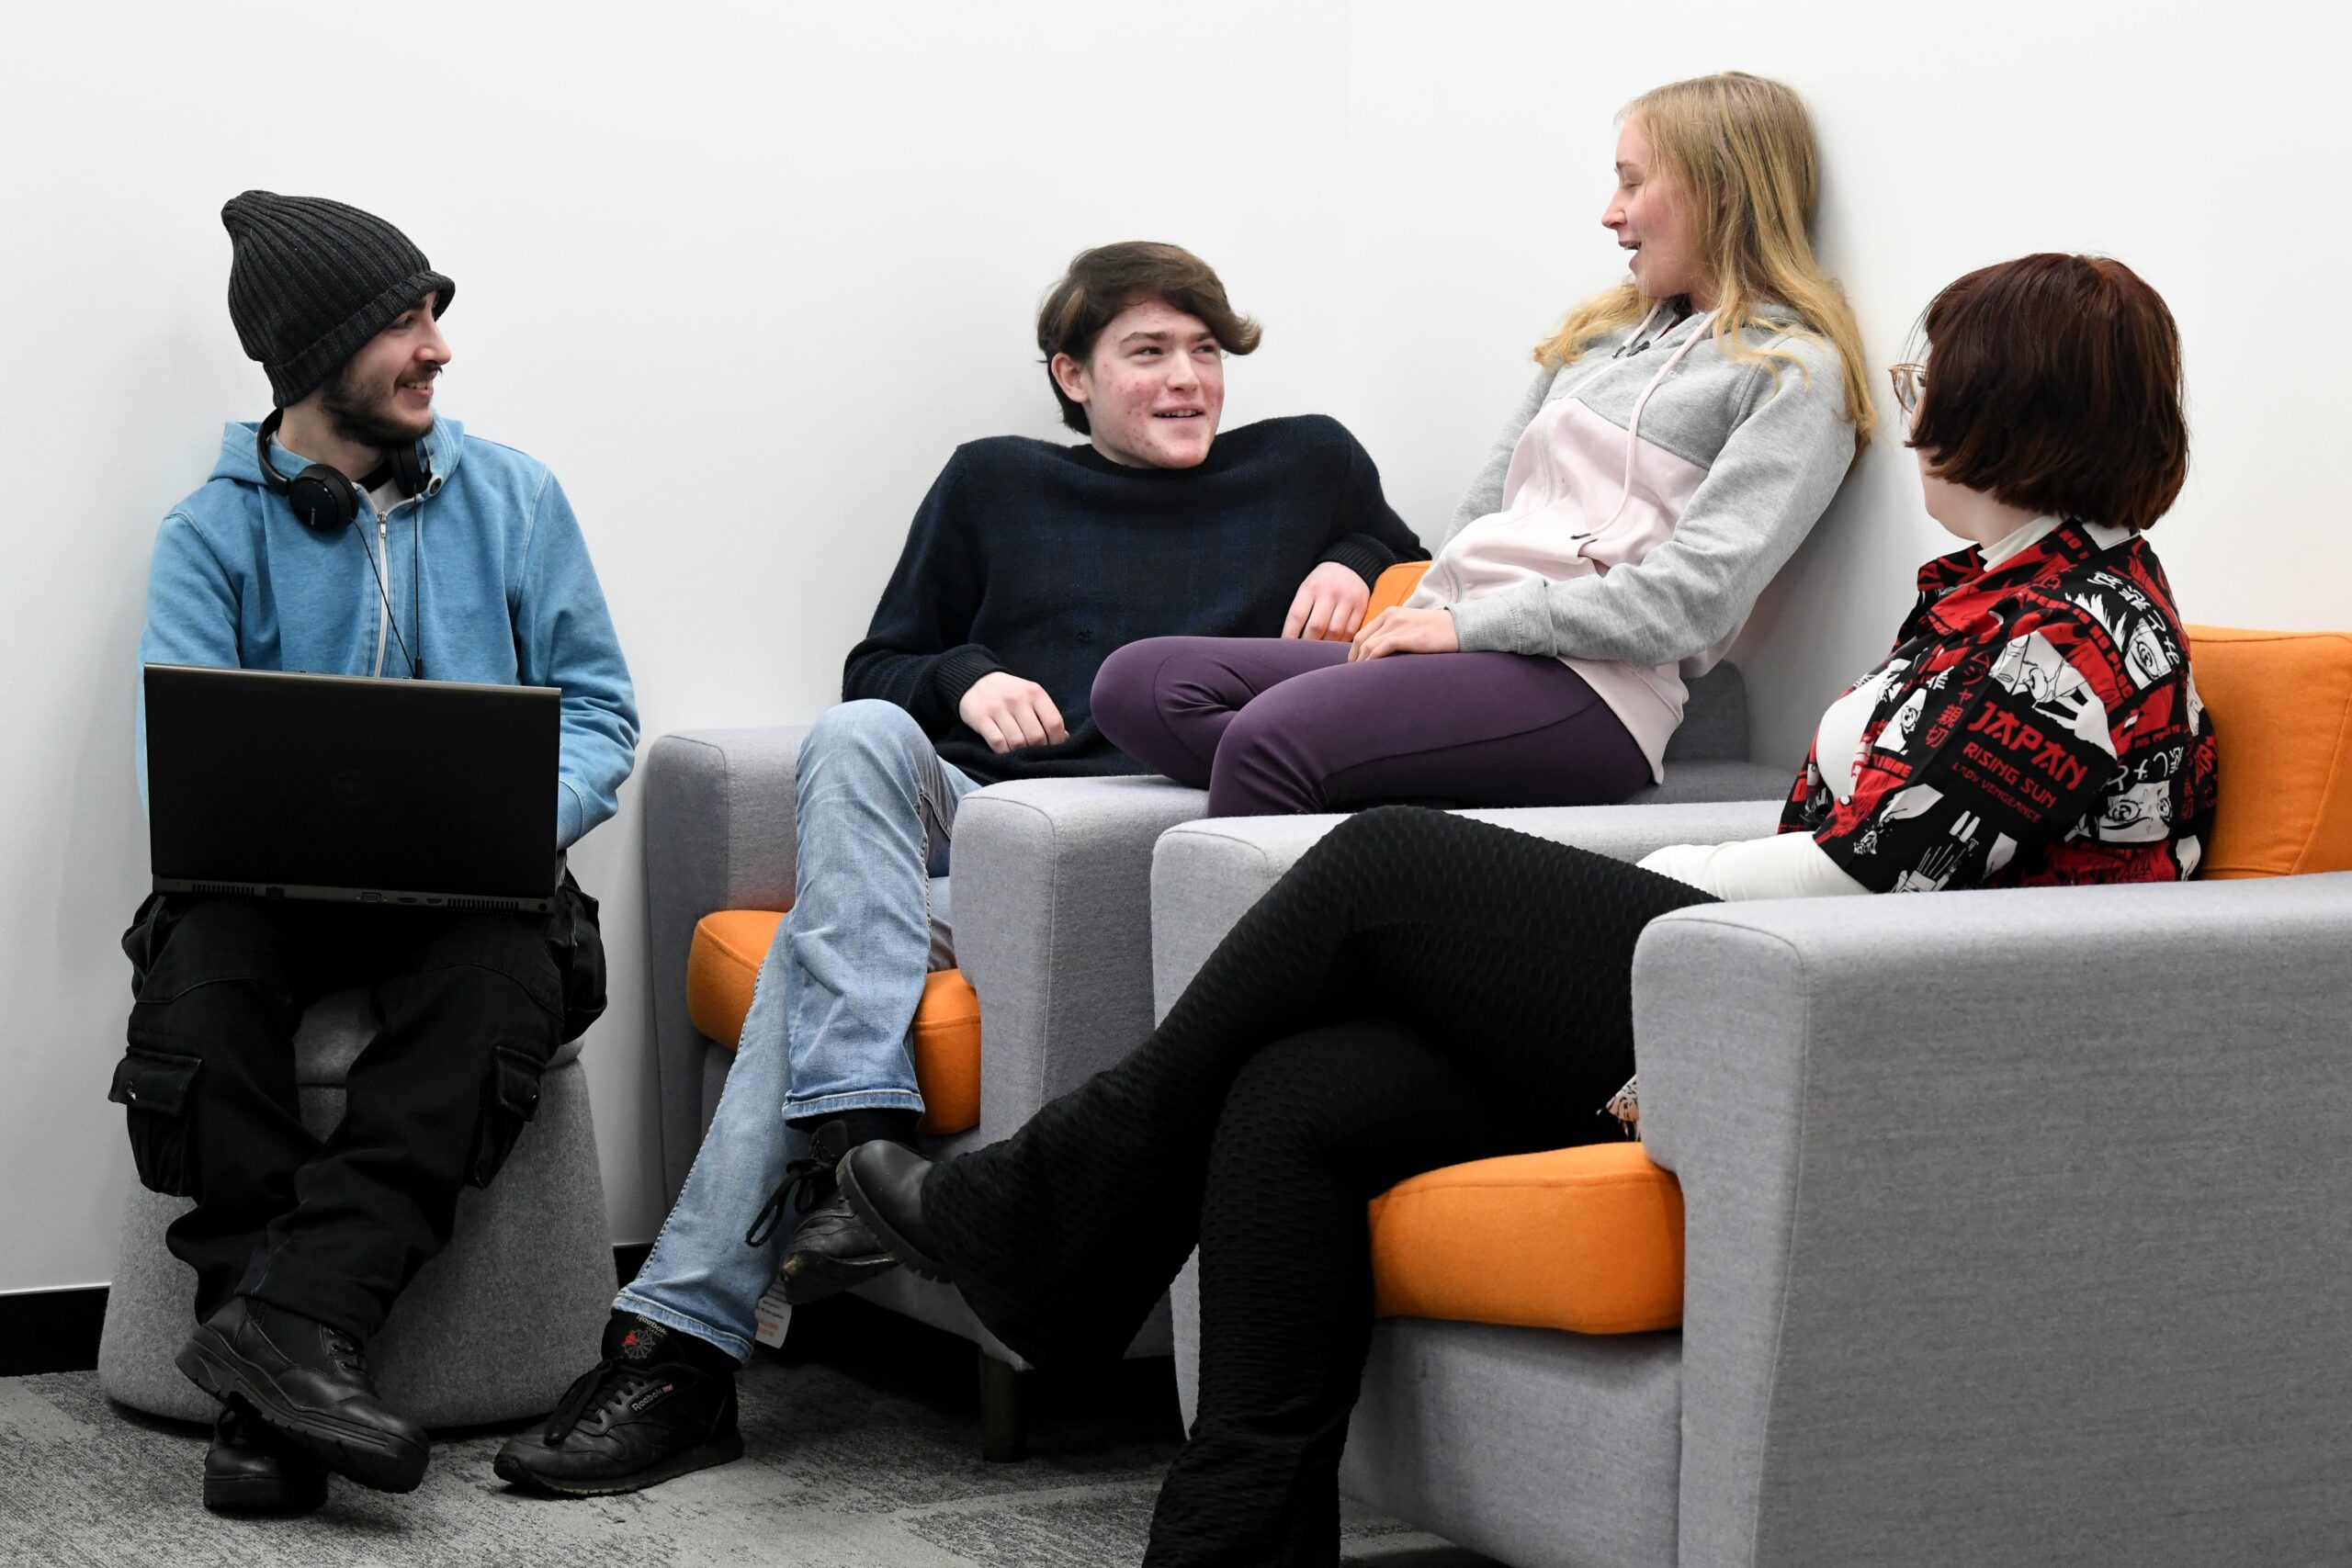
x=1910, y=385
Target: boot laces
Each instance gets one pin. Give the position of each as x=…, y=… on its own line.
x=343, y=1351
x=807, y=1182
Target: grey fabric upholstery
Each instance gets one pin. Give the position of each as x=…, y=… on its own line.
x=1054, y=929
x=1715, y=718
x=1702, y=779
x=2016, y=1231
x=719, y=834
x=491, y=1330
x=1540, y=1449
x=1706, y=758
x=1206, y=874
x=2042, y=1232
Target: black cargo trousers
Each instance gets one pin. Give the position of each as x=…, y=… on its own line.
x=473, y=1004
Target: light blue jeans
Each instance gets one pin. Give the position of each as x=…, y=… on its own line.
x=831, y=1011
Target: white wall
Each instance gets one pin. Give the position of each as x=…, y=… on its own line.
x=744, y=274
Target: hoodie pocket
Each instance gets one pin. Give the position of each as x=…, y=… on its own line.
x=157, y=1090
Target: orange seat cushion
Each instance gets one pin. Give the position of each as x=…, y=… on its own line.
x=1587, y=1239
x=2282, y=718
x=1395, y=586
x=724, y=962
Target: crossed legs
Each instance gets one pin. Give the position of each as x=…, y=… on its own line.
x=1419, y=990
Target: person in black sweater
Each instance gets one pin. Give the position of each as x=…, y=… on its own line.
x=1027, y=565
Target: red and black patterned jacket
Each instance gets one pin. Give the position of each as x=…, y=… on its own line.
x=2036, y=723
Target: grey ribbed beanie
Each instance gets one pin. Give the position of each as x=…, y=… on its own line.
x=310, y=280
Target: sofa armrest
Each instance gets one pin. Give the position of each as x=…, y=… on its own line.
x=1205, y=876
x=719, y=834
x=2017, y=1223
x=1053, y=929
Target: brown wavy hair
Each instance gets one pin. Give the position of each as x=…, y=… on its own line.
x=2054, y=383
x=1107, y=279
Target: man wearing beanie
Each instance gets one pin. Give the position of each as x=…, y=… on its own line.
x=1027, y=564
x=300, y=1247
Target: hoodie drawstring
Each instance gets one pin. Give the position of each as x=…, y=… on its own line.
x=1633, y=425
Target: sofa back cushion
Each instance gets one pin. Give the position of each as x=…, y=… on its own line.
x=2282, y=719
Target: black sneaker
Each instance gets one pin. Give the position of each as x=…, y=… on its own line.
x=253, y=1469
x=830, y=1249
x=659, y=1404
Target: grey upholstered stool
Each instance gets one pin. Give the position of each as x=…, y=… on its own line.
x=493, y=1329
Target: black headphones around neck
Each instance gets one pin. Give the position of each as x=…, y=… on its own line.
x=325, y=499
x=321, y=495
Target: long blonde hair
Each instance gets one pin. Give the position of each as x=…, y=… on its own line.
x=1740, y=152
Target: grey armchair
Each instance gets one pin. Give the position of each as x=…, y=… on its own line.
x=2017, y=1230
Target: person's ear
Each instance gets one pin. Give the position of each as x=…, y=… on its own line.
x=1072, y=378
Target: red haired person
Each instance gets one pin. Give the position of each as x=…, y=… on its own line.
x=1421, y=989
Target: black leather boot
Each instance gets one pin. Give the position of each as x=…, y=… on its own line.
x=830, y=1249
x=252, y=1468
x=884, y=1185
x=310, y=1381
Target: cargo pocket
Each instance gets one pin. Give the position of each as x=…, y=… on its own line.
x=157, y=1091
x=579, y=949
x=510, y=1098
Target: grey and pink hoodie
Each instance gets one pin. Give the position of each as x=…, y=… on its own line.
x=1638, y=502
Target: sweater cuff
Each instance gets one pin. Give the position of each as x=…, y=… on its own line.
x=1362, y=554
x=1484, y=625
x=955, y=672
x=570, y=815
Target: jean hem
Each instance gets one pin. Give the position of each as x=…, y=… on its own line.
x=672, y=1318
x=861, y=1099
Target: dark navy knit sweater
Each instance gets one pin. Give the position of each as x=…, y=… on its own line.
x=1040, y=559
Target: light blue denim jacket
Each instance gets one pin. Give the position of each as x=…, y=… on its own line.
x=508, y=596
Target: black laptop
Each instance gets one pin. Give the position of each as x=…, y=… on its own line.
x=352, y=789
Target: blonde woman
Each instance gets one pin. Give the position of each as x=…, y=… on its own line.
x=1684, y=433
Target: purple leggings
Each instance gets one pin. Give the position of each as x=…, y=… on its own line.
x=1272, y=726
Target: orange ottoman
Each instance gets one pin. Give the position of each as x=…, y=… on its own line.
x=1587, y=1239
x=724, y=963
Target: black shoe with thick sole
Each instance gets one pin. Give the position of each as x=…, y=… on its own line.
x=830, y=1249
x=309, y=1381
x=883, y=1184
x=252, y=1468
x=644, y=1414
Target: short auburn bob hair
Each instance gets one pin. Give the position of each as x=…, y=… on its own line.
x=1108, y=279
x=2054, y=382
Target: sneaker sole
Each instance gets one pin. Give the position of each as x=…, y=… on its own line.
x=909, y=1258
x=719, y=1450
x=349, y=1449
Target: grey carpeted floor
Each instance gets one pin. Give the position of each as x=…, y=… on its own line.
x=860, y=1453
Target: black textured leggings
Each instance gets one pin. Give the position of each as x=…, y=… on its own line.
x=1419, y=990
